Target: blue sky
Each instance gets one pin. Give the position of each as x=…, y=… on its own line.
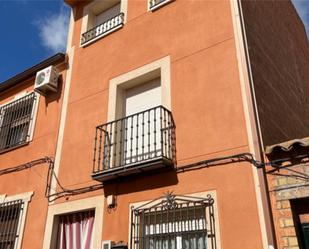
x=302, y=7
x=33, y=30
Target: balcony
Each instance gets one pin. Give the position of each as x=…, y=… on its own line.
x=138, y=143
x=155, y=4
x=103, y=29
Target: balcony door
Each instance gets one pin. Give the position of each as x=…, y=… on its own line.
x=108, y=14
x=142, y=130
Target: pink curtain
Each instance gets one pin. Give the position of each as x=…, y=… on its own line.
x=75, y=230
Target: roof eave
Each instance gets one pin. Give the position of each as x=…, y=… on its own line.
x=19, y=78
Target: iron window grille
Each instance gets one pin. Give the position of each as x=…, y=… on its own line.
x=174, y=222
x=15, y=119
x=135, y=139
x=10, y=215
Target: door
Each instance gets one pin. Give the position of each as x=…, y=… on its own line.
x=300, y=210
x=142, y=136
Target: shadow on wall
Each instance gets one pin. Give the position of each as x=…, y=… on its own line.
x=51, y=96
x=142, y=182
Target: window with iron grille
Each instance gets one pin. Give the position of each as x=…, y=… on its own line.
x=174, y=222
x=15, y=120
x=10, y=215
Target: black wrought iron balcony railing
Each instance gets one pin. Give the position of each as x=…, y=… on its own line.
x=139, y=142
x=103, y=29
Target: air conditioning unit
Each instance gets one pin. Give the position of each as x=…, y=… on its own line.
x=107, y=244
x=46, y=80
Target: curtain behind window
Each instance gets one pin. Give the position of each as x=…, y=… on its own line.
x=75, y=230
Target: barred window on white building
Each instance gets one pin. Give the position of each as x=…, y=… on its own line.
x=15, y=121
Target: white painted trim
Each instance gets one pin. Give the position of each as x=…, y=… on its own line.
x=18, y=96
x=96, y=203
x=34, y=117
x=2, y=197
x=205, y=194
x=70, y=31
x=159, y=68
x=62, y=121
x=26, y=197
x=248, y=99
x=124, y=9
x=64, y=107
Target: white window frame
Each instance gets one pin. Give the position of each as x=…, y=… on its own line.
x=32, y=121
x=94, y=8
x=117, y=86
x=212, y=193
x=54, y=211
x=26, y=198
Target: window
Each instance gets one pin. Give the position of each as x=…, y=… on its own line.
x=15, y=121
x=174, y=222
x=75, y=230
x=85, y=215
x=101, y=18
x=10, y=216
x=157, y=72
x=140, y=131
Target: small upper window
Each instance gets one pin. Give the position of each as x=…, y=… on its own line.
x=15, y=122
x=10, y=216
x=102, y=18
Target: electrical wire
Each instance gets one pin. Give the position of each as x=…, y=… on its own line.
x=221, y=160
x=77, y=191
x=65, y=192
x=25, y=165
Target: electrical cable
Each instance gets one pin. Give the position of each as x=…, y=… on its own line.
x=221, y=160
x=65, y=192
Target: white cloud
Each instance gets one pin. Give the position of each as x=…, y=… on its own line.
x=53, y=30
x=302, y=7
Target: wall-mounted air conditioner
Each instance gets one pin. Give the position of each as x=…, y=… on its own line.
x=46, y=80
x=107, y=244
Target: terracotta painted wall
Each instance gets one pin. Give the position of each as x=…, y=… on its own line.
x=206, y=106
x=33, y=179
x=279, y=54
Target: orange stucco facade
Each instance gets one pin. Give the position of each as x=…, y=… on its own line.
x=207, y=105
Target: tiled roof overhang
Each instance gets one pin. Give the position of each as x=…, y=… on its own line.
x=290, y=147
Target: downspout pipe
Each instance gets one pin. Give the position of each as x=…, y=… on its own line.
x=269, y=222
